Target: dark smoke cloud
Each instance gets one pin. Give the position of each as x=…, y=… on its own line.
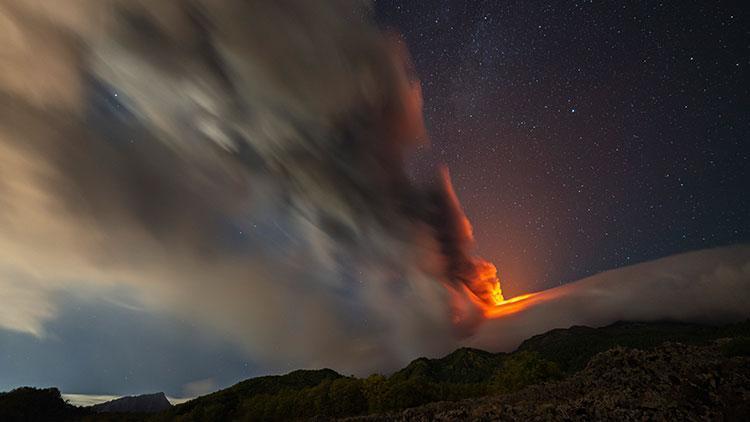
x=167, y=136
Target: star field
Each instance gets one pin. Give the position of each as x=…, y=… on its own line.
x=586, y=136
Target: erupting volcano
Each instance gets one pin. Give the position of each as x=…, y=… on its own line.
x=485, y=292
x=486, y=285
x=248, y=187
x=477, y=277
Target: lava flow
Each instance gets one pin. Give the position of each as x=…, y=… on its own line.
x=485, y=292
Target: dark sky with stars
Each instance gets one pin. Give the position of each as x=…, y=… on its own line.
x=184, y=214
x=585, y=136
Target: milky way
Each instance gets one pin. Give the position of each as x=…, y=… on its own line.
x=586, y=136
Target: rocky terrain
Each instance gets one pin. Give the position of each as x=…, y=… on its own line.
x=671, y=382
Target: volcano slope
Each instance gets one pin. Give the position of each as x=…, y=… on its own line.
x=673, y=381
x=623, y=371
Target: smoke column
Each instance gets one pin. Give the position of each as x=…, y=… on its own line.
x=240, y=162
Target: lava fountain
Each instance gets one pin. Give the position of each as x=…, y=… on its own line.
x=475, y=277
x=486, y=293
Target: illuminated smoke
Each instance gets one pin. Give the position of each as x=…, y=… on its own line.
x=239, y=163
x=455, y=233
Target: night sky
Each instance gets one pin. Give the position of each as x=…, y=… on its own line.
x=584, y=136
x=193, y=196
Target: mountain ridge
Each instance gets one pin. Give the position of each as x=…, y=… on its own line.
x=464, y=374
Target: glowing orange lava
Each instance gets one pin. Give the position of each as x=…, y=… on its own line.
x=485, y=284
x=485, y=292
x=478, y=277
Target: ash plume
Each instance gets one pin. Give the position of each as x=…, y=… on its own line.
x=240, y=162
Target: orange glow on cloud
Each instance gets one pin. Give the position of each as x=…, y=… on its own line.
x=486, y=285
x=485, y=292
x=478, y=277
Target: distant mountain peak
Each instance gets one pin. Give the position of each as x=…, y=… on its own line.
x=144, y=403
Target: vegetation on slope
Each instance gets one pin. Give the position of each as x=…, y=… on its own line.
x=37, y=404
x=465, y=373
x=572, y=348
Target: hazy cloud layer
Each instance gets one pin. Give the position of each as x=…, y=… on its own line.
x=98, y=347
x=708, y=286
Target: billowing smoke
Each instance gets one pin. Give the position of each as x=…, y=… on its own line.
x=238, y=162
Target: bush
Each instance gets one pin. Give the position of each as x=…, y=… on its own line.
x=522, y=369
x=37, y=404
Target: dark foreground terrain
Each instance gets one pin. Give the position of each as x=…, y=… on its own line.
x=626, y=371
x=672, y=382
